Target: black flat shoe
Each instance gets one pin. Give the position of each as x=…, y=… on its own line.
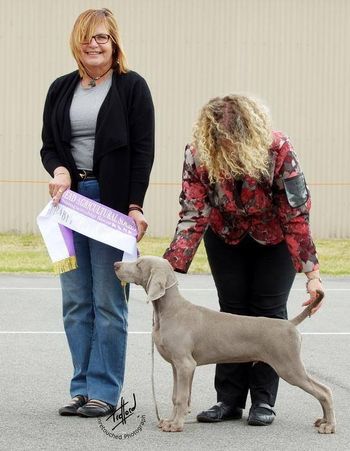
x=73, y=405
x=261, y=414
x=220, y=412
x=96, y=408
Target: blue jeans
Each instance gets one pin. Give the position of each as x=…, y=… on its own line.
x=95, y=316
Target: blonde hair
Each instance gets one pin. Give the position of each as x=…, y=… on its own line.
x=83, y=31
x=232, y=136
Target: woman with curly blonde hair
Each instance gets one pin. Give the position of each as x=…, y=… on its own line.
x=244, y=191
x=232, y=136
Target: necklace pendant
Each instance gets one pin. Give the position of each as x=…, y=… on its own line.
x=92, y=83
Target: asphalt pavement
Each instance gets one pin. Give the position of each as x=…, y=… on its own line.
x=35, y=369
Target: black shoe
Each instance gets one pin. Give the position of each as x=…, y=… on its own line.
x=72, y=407
x=96, y=408
x=261, y=414
x=220, y=412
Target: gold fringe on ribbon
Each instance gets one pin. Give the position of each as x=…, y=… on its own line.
x=65, y=265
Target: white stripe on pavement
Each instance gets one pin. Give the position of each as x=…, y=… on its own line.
x=141, y=289
x=24, y=332
x=325, y=333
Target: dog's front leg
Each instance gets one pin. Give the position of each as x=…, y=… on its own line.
x=184, y=370
x=172, y=416
x=189, y=397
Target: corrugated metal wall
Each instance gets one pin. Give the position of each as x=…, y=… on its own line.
x=293, y=54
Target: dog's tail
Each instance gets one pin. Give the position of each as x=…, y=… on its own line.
x=307, y=311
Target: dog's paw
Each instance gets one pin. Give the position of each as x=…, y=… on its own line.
x=326, y=428
x=319, y=421
x=163, y=421
x=165, y=425
x=160, y=423
x=170, y=426
x=176, y=428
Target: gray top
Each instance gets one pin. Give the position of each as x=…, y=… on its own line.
x=84, y=109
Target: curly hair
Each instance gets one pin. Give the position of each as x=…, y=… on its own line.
x=232, y=136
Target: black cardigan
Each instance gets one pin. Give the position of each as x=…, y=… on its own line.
x=124, y=138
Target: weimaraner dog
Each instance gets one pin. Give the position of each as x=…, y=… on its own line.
x=187, y=335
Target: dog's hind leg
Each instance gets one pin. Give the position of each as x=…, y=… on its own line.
x=184, y=370
x=296, y=375
x=325, y=425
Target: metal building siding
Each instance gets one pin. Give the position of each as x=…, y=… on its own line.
x=293, y=54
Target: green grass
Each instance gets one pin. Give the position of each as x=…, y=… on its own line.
x=27, y=254
x=334, y=256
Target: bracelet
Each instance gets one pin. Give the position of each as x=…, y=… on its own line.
x=60, y=173
x=313, y=278
x=136, y=209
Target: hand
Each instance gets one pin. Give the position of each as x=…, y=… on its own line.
x=59, y=184
x=311, y=287
x=141, y=223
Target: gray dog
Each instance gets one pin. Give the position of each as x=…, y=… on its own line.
x=187, y=335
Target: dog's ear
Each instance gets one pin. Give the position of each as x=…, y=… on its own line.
x=158, y=282
x=155, y=288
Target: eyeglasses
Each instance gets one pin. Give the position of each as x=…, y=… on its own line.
x=99, y=39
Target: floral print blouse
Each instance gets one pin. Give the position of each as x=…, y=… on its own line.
x=271, y=211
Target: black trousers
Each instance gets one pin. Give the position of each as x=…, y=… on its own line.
x=255, y=280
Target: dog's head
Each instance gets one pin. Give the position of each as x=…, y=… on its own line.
x=154, y=274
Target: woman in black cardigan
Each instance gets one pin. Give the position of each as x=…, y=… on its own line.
x=98, y=139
